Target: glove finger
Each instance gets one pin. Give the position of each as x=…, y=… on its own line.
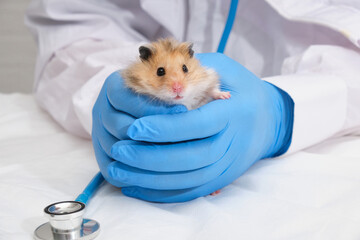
x=166, y=180
x=236, y=169
x=175, y=157
x=125, y=100
x=104, y=161
x=105, y=139
x=116, y=122
x=203, y=122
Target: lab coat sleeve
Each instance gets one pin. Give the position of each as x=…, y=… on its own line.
x=324, y=84
x=80, y=43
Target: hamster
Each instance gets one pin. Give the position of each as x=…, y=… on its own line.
x=167, y=70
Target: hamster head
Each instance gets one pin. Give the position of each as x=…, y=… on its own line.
x=166, y=70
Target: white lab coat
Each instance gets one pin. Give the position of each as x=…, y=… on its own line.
x=308, y=48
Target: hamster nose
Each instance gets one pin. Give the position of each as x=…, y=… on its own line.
x=177, y=87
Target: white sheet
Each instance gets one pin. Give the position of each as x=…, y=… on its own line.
x=313, y=194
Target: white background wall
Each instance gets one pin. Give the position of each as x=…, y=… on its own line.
x=17, y=48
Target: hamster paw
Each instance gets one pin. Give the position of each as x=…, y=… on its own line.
x=221, y=95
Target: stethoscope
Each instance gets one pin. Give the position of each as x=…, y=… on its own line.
x=66, y=220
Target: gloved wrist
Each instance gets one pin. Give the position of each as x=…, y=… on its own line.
x=283, y=108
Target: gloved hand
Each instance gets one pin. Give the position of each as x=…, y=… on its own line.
x=179, y=157
x=116, y=108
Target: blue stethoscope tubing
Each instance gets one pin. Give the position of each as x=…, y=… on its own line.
x=228, y=26
x=91, y=188
x=98, y=179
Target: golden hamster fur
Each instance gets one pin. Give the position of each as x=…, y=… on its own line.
x=166, y=70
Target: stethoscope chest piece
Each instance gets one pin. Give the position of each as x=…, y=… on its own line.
x=66, y=223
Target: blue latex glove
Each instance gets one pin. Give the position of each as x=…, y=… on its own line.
x=116, y=108
x=179, y=157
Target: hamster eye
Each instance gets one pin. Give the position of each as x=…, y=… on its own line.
x=185, y=69
x=160, y=71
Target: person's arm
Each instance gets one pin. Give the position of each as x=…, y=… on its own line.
x=164, y=154
x=227, y=137
x=80, y=43
x=324, y=84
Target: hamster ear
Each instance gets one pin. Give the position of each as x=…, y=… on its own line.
x=191, y=51
x=145, y=53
